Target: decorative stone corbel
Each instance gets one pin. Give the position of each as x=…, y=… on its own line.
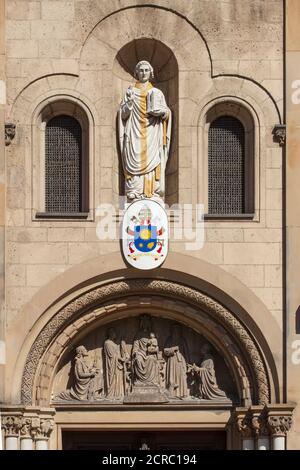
x=10, y=131
x=279, y=134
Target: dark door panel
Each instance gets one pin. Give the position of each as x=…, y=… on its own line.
x=151, y=440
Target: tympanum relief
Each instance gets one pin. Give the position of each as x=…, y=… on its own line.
x=143, y=360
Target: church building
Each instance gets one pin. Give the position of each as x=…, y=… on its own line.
x=150, y=224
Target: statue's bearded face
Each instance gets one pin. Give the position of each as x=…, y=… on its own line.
x=143, y=73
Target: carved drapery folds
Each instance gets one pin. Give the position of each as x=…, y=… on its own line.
x=155, y=361
x=169, y=290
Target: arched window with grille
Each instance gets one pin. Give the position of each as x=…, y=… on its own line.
x=63, y=166
x=230, y=169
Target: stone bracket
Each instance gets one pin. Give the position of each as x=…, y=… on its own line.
x=279, y=134
x=10, y=132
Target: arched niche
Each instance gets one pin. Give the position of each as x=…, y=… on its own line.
x=165, y=68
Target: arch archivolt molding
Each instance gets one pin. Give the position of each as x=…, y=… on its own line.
x=131, y=297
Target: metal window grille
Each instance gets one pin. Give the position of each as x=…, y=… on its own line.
x=226, y=166
x=63, y=149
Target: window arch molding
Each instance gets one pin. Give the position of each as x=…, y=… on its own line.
x=50, y=108
x=247, y=116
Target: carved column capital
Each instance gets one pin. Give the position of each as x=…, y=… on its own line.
x=280, y=419
x=44, y=428
x=10, y=131
x=244, y=424
x=279, y=134
x=279, y=425
x=29, y=426
x=259, y=422
x=11, y=425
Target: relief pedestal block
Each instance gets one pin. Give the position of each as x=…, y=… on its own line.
x=146, y=394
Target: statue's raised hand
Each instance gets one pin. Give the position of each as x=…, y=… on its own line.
x=130, y=94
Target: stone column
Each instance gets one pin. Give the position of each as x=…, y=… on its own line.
x=279, y=425
x=43, y=432
x=260, y=428
x=244, y=426
x=11, y=428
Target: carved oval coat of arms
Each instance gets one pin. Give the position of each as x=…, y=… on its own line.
x=145, y=234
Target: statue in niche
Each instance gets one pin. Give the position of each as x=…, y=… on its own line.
x=116, y=375
x=176, y=352
x=88, y=381
x=145, y=362
x=144, y=136
x=205, y=377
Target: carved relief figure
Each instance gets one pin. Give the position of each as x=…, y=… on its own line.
x=145, y=364
x=153, y=345
x=115, y=370
x=87, y=380
x=136, y=370
x=176, y=352
x=144, y=135
x=206, y=377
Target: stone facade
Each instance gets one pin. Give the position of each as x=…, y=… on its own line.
x=214, y=57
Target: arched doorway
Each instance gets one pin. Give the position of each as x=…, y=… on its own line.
x=240, y=368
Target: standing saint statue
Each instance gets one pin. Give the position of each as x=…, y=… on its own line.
x=144, y=135
x=115, y=358
x=176, y=352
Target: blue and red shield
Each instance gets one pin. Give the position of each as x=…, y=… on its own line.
x=145, y=237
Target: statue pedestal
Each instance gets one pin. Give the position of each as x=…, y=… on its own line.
x=145, y=394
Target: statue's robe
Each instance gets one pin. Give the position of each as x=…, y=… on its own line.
x=208, y=387
x=176, y=369
x=144, y=141
x=114, y=370
x=145, y=367
x=82, y=381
